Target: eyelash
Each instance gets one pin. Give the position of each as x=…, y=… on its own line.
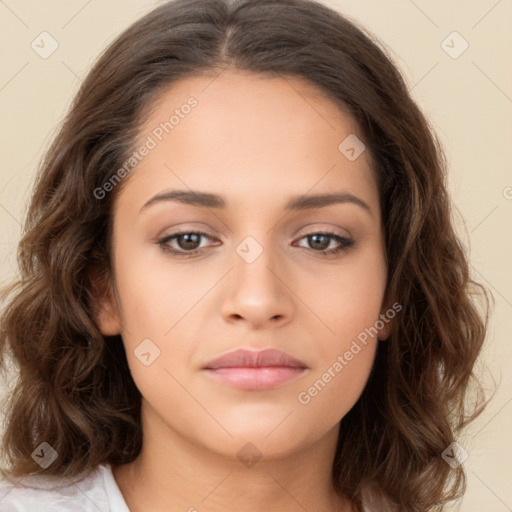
x=163, y=243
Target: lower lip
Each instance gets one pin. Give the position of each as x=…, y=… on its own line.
x=255, y=378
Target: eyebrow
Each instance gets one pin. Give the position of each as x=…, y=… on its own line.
x=296, y=203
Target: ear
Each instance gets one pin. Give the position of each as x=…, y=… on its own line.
x=386, y=316
x=106, y=312
x=386, y=330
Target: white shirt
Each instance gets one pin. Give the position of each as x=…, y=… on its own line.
x=97, y=492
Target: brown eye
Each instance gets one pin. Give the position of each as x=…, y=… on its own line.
x=186, y=243
x=319, y=243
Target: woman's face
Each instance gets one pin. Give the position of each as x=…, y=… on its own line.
x=255, y=278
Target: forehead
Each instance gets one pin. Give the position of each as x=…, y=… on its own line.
x=238, y=103
x=251, y=133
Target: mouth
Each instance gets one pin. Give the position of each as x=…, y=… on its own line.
x=255, y=370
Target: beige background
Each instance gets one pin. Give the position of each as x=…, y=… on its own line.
x=468, y=99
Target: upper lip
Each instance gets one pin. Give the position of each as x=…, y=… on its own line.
x=250, y=358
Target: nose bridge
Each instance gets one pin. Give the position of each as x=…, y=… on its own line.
x=256, y=261
x=256, y=250
x=257, y=292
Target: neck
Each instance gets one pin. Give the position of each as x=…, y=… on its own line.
x=174, y=474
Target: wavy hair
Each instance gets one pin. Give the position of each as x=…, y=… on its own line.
x=74, y=389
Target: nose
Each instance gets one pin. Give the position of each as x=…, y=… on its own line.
x=259, y=292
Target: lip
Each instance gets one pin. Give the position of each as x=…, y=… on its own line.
x=255, y=370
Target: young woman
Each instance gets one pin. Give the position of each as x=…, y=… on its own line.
x=240, y=285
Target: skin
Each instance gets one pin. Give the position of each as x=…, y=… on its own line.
x=257, y=141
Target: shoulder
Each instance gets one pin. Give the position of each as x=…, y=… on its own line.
x=44, y=494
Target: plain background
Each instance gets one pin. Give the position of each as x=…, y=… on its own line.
x=467, y=98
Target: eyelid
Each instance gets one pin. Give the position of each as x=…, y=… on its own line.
x=333, y=230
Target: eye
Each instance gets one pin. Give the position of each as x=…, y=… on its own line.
x=322, y=241
x=189, y=243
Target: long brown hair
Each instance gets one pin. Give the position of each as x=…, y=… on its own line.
x=75, y=390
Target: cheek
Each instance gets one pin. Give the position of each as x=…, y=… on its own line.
x=335, y=392
x=161, y=318
x=348, y=304
x=156, y=295
x=346, y=300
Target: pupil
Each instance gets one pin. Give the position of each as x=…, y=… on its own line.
x=190, y=238
x=321, y=245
